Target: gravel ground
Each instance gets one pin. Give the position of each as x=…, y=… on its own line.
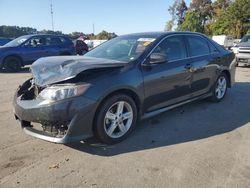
x=201, y=144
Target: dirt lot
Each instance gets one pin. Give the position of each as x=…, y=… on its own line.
x=198, y=145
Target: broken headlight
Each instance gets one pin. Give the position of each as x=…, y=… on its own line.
x=59, y=92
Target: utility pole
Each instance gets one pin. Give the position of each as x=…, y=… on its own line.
x=51, y=12
x=93, y=25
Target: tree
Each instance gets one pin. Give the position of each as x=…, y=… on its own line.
x=15, y=31
x=50, y=32
x=169, y=25
x=204, y=9
x=104, y=35
x=234, y=20
x=181, y=10
x=239, y=14
x=192, y=22
x=177, y=12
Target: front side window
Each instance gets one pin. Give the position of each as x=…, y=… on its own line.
x=173, y=47
x=35, y=42
x=197, y=46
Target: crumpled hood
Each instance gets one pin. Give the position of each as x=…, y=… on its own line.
x=55, y=69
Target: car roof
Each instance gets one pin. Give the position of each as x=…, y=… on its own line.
x=161, y=34
x=33, y=35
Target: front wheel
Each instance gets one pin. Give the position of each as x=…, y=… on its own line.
x=115, y=119
x=220, y=88
x=12, y=64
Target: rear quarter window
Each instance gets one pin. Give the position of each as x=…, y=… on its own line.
x=212, y=48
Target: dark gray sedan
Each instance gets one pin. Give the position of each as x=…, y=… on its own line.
x=128, y=78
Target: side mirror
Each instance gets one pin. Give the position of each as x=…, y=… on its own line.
x=158, y=58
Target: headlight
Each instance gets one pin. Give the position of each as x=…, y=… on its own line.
x=59, y=92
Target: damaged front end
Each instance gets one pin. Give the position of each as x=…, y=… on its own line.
x=53, y=104
x=56, y=113
x=38, y=124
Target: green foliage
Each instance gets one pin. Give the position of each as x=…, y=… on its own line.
x=105, y=35
x=234, y=20
x=169, y=25
x=177, y=12
x=229, y=17
x=16, y=31
x=50, y=32
x=192, y=22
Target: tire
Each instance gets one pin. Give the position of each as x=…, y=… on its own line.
x=12, y=64
x=220, y=88
x=112, y=125
x=237, y=64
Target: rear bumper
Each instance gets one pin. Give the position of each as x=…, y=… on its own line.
x=75, y=113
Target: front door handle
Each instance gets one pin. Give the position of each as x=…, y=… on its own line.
x=188, y=66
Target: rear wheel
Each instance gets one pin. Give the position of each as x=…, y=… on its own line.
x=12, y=64
x=220, y=88
x=115, y=119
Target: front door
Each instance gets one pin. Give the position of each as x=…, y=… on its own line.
x=169, y=82
x=34, y=49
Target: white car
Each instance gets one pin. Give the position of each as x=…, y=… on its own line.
x=224, y=40
x=242, y=50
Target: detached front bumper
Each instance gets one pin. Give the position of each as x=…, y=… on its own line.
x=70, y=119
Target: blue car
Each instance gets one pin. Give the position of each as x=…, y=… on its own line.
x=26, y=49
x=4, y=41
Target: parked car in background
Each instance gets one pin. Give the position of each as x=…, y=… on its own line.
x=26, y=49
x=242, y=50
x=224, y=40
x=128, y=78
x=94, y=43
x=4, y=41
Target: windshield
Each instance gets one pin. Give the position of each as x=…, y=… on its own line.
x=124, y=48
x=17, y=41
x=246, y=38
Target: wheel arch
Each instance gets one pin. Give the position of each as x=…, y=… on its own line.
x=227, y=73
x=13, y=55
x=126, y=91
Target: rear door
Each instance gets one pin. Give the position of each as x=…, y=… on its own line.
x=54, y=46
x=167, y=83
x=203, y=59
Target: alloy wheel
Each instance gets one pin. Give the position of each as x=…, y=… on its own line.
x=118, y=119
x=221, y=87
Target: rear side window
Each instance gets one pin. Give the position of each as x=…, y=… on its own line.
x=53, y=41
x=197, y=46
x=173, y=47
